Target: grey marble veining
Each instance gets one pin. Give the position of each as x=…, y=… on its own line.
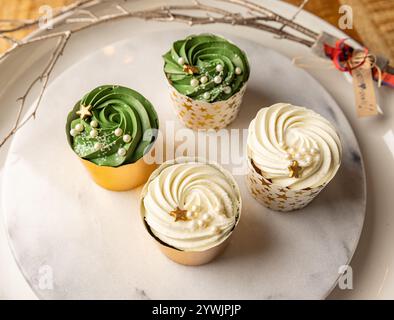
x=92, y=240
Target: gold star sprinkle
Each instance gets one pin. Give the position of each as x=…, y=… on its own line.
x=84, y=111
x=190, y=69
x=179, y=214
x=294, y=169
x=208, y=117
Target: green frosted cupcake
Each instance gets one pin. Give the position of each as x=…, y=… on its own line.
x=112, y=126
x=207, y=75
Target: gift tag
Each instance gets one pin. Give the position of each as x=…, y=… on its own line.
x=364, y=88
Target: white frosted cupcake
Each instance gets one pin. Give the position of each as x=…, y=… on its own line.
x=293, y=153
x=191, y=207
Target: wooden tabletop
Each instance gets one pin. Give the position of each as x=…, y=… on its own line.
x=373, y=22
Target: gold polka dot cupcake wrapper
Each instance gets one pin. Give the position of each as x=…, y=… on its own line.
x=276, y=197
x=196, y=114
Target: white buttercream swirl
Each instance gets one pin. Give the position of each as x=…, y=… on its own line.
x=202, y=188
x=282, y=133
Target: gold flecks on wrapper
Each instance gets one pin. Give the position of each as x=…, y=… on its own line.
x=196, y=114
x=276, y=197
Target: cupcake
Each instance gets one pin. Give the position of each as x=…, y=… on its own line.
x=293, y=153
x=191, y=208
x=207, y=77
x=110, y=129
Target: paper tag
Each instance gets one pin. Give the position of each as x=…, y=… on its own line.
x=364, y=90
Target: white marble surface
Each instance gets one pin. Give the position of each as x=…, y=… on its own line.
x=93, y=240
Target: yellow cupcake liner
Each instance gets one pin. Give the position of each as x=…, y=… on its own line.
x=197, y=114
x=193, y=258
x=276, y=197
x=123, y=178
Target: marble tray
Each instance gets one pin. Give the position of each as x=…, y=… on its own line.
x=91, y=241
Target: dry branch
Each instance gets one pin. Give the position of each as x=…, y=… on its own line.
x=198, y=13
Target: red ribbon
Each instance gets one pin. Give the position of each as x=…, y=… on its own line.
x=341, y=56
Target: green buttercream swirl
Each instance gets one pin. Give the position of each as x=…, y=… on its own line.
x=113, y=107
x=205, y=52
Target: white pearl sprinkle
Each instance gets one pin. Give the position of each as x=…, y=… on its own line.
x=317, y=157
x=204, y=79
x=118, y=132
x=291, y=150
x=93, y=133
x=227, y=90
x=74, y=132
x=308, y=159
x=195, y=208
x=200, y=223
x=288, y=156
x=189, y=215
x=194, y=224
x=298, y=156
x=206, y=216
x=94, y=124
x=218, y=79
x=207, y=95
x=303, y=150
x=79, y=127
x=97, y=146
x=122, y=152
x=214, y=229
x=194, y=82
x=219, y=68
x=238, y=71
x=313, y=151
x=181, y=61
x=282, y=144
x=127, y=138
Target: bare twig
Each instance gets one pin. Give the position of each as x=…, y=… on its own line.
x=43, y=78
x=299, y=9
x=254, y=7
x=9, y=39
x=260, y=20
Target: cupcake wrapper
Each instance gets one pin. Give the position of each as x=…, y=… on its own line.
x=193, y=258
x=276, y=197
x=196, y=114
x=122, y=178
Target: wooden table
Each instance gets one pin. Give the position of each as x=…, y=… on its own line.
x=373, y=23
